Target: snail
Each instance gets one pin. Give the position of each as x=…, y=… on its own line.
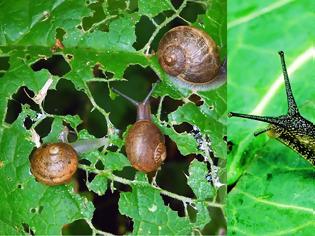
x=55, y=163
x=144, y=143
x=292, y=129
x=190, y=56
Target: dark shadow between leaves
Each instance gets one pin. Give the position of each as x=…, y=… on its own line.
x=56, y=65
x=14, y=107
x=4, y=65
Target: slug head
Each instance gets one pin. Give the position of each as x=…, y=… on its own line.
x=291, y=129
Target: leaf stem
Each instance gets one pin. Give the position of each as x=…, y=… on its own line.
x=96, y=231
x=94, y=26
x=111, y=176
x=110, y=126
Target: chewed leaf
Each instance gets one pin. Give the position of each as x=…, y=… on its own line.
x=151, y=216
x=154, y=7
x=58, y=63
x=40, y=202
x=98, y=184
x=115, y=161
x=198, y=182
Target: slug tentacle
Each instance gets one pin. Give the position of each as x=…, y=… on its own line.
x=292, y=129
x=292, y=107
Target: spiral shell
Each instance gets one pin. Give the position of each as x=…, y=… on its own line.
x=54, y=164
x=145, y=146
x=189, y=54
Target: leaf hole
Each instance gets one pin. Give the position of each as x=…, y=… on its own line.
x=33, y=210
x=183, y=127
x=144, y=30
x=196, y=100
x=66, y=100
x=95, y=124
x=84, y=161
x=28, y=122
x=20, y=186
x=175, y=205
x=44, y=127
x=173, y=173
x=4, y=65
x=56, y=65
x=78, y=227
x=99, y=165
x=14, y=107
x=170, y=105
x=60, y=33
x=230, y=145
x=98, y=72
x=192, y=10
x=69, y=57
x=269, y=176
x=27, y=229
x=115, y=222
x=99, y=20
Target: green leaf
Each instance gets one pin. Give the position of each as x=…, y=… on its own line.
x=274, y=193
x=273, y=198
x=150, y=215
x=255, y=83
x=25, y=201
x=98, y=185
x=186, y=143
x=197, y=180
x=115, y=161
x=154, y=7
x=190, y=113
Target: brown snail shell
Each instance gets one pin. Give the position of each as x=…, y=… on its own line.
x=144, y=142
x=145, y=146
x=190, y=55
x=54, y=164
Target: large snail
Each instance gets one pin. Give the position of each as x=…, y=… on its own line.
x=55, y=163
x=190, y=56
x=144, y=142
x=292, y=129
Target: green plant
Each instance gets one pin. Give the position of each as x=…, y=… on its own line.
x=66, y=55
x=273, y=187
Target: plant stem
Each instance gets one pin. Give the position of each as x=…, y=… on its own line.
x=121, y=180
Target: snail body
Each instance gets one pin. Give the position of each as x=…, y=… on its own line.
x=56, y=163
x=190, y=56
x=144, y=142
x=291, y=129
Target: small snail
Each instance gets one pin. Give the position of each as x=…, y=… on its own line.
x=55, y=163
x=144, y=144
x=190, y=56
x=291, y=129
